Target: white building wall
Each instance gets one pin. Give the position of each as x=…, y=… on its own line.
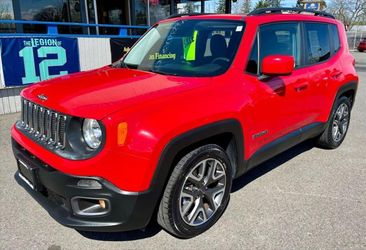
x=94, y=53
x=2, y=83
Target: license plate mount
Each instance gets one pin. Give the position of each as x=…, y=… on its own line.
x=28, y=174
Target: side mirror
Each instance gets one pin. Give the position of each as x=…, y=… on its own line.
x=278, y=65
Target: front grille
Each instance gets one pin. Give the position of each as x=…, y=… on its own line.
x=44, y=124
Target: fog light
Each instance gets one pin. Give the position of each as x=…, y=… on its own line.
x=90, y=206
x=102, y=204
x=89, y=183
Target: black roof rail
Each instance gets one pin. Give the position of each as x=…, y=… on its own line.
x=263, y=11
x=189, y=14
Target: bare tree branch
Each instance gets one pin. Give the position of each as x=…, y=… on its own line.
x=350, y=12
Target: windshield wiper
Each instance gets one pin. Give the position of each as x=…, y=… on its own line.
x=161, y=72
x=122, y=64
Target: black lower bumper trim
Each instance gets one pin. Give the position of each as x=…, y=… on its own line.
x=55, y=190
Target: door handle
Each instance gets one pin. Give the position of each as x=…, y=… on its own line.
x=301, y=86
x=336, y=74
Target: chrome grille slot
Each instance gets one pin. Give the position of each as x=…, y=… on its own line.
x=25, y=113
x=53, y=126
x=35, y=118
x=30, y=114
x=44, y=124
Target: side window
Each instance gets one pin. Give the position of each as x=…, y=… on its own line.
x=280, y=39
x=318, y=43
x=252, y=66
x=335, y=38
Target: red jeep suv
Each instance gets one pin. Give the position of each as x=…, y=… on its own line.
x=198, y=101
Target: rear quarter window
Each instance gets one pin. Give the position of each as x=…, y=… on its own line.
x=318, y=42
x=335, y=38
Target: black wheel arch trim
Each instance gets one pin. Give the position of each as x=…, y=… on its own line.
x=191, y=137
x=352, y=85
x=345, y=88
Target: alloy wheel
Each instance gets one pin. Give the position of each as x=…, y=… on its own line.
x=340, y=122
x=202, y=192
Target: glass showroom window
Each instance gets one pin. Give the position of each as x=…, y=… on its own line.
x=159, y=10
x=6, y=13
x=50, y=11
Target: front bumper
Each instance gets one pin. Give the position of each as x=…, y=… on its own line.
x=55, y=191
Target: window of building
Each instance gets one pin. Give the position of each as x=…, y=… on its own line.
x=6, y=13
x=159, y=10
x=6, y=10
x=318, y=43
x=49, y=11
x=188, y=7
x=112, y=12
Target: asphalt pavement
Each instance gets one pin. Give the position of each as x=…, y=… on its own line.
x=305, y=198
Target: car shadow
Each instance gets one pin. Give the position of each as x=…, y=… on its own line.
x=271, y=164
x=153, y=228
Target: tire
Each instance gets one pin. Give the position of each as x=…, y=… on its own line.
x=360, y=50
x=337, y=126
x=186, y=209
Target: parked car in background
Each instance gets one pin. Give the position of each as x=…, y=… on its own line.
x=362, y=45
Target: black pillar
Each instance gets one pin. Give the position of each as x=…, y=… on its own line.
x=17, y=15
x=227, y=6
x=84, y=16
x=202, y=6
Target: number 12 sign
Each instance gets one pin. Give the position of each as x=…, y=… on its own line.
x=30, y=60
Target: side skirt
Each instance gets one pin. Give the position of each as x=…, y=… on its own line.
x=282, y=144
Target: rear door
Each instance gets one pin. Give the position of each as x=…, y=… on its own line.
x=323, y=65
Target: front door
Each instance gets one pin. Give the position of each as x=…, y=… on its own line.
x=279, y=103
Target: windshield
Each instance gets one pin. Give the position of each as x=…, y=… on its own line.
x=187, y=48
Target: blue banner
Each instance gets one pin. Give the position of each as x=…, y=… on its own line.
x=312, y=6
x=28, y=60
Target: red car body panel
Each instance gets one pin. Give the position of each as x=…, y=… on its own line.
x=159, y=108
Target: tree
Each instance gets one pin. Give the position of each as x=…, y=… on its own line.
x=221, y=7
x=268, y=4
x=245, y=8
x=275, y=3
x=263, y=4
x=349, y=12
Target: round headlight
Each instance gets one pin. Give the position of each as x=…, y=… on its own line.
x=92, y=133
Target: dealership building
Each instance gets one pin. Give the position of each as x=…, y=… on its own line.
x=121, y=12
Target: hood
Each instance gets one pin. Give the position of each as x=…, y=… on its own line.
x=98, y=93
